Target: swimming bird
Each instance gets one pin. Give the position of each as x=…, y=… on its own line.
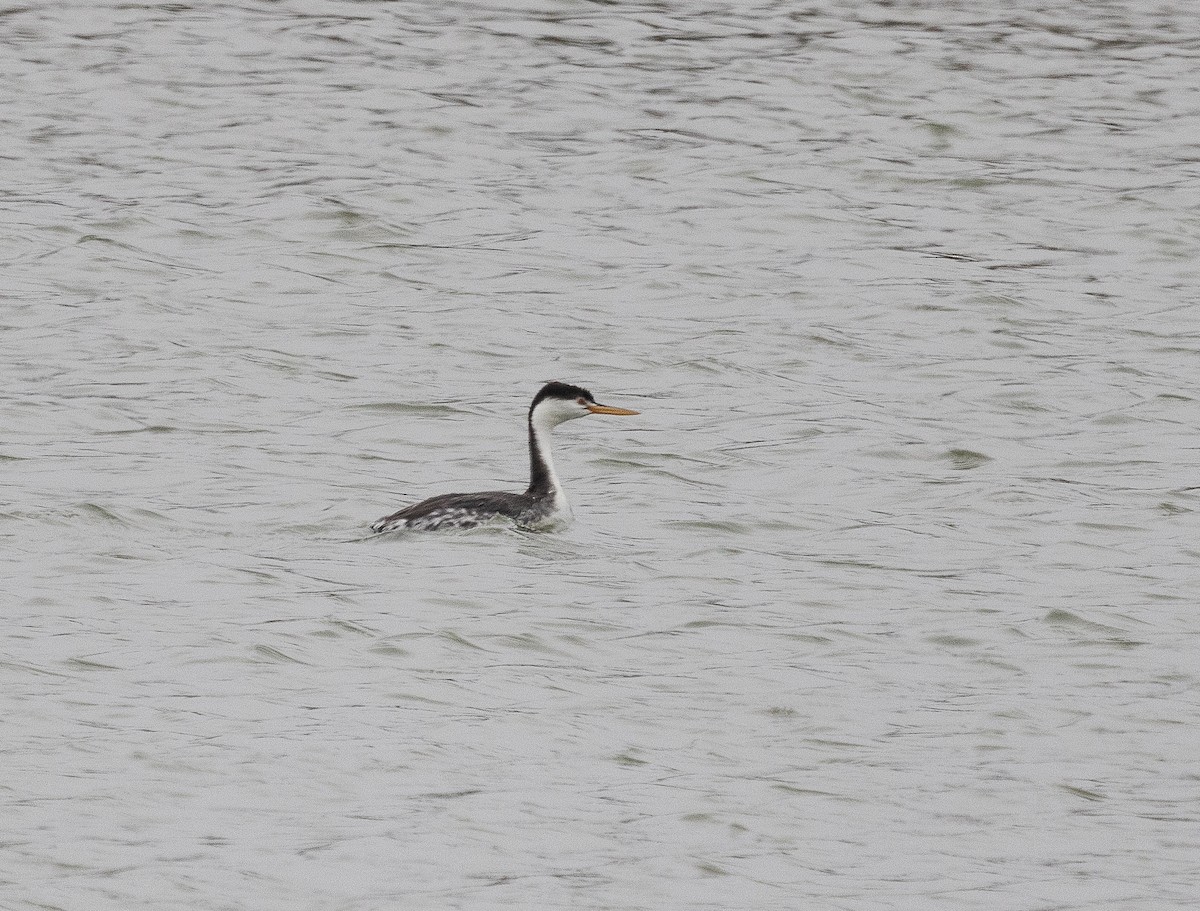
x=543, y=505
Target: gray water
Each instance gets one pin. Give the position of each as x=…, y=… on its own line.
x=888, y=599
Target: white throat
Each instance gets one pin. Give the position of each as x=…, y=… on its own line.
x=545, y=417
x=541, y=441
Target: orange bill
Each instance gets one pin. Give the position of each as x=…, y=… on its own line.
x=608, y=409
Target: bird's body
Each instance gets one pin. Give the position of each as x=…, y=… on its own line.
x=542, y=505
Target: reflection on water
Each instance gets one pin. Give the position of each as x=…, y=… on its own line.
x=885, y=601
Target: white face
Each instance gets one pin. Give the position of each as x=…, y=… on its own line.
x=551, y=412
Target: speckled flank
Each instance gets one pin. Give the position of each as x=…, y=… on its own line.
x=461, y=511
x=451, y=517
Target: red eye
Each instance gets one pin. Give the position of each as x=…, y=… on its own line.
x=581, y=401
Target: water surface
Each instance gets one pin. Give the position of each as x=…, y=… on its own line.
x=886, y=601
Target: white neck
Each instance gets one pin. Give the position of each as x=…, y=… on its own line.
x=543, y=480
x=539, y=446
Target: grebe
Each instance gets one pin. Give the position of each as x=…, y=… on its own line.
x=543, y=504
